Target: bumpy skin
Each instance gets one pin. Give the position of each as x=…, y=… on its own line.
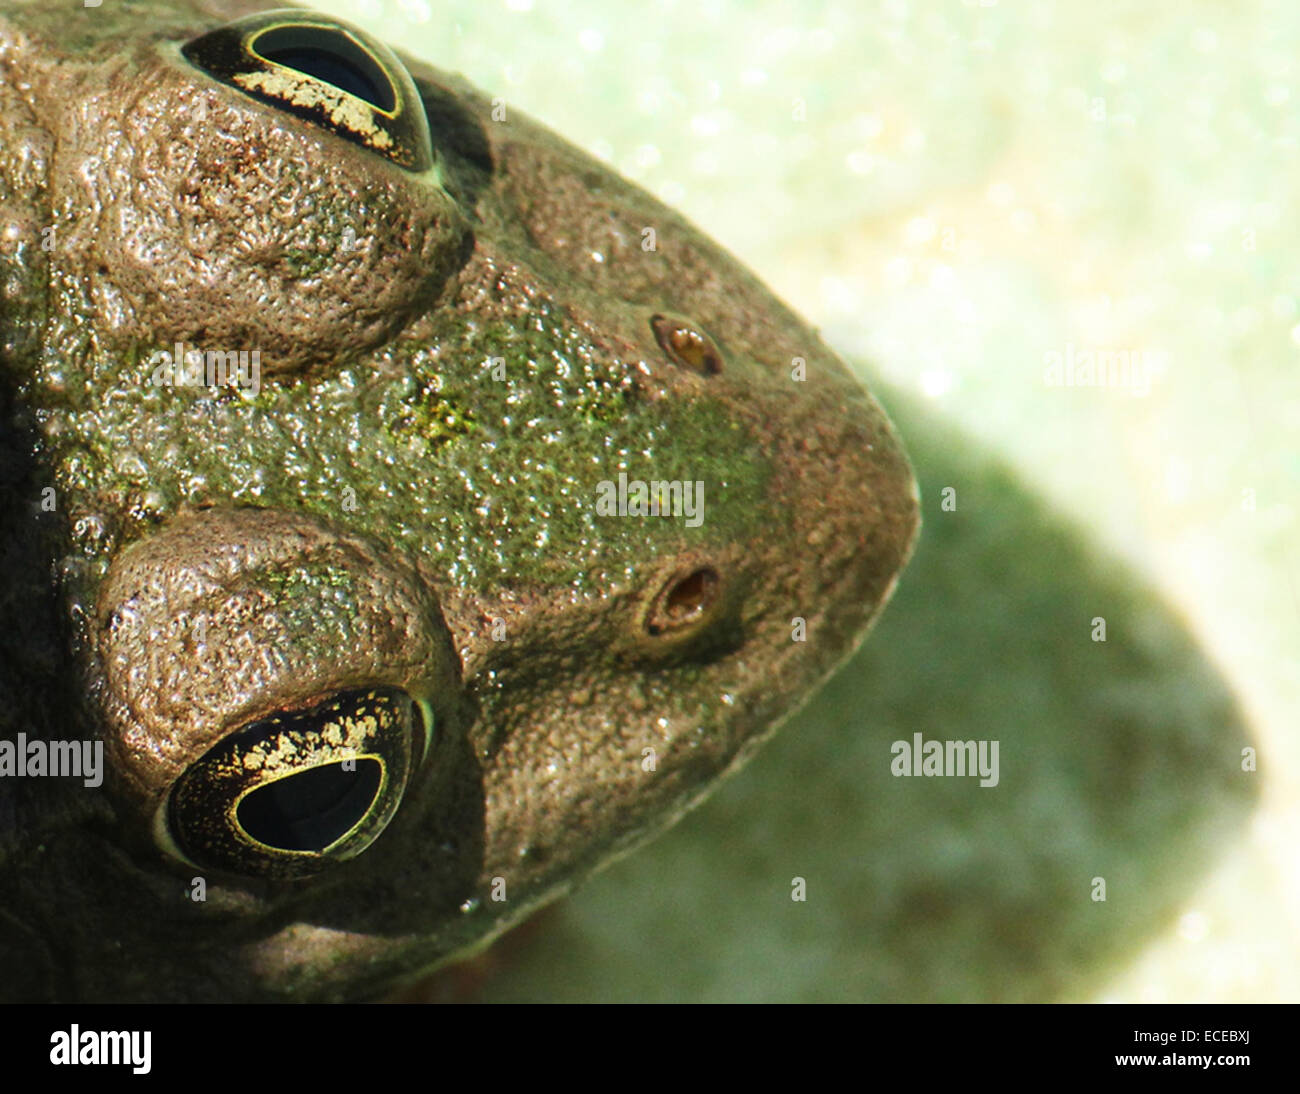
x=441, y=506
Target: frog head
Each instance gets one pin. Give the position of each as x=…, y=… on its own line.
x=413, y=513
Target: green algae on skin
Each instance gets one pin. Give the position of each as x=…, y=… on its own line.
x=409, y=501
x=514, y=440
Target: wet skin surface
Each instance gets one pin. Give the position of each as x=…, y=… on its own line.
x=360, y=646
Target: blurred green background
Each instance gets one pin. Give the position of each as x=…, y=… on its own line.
x=959, y=193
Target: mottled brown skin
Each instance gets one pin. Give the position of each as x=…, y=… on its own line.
x=472, y=570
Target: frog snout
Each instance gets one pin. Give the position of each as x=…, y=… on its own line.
x=270, y=689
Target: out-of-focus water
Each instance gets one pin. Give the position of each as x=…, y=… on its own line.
x=964, y=195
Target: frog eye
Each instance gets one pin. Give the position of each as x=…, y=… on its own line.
x=686, y=345
x=325, y=71
x=272, y=688
x=291, y=793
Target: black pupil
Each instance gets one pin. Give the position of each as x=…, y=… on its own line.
x=312, y=809
x=331, y=57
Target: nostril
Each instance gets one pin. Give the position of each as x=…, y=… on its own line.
x=313, y=809
x=686, y=345
x=684, y=600
x=692, y=594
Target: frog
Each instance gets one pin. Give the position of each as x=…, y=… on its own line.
x=405, y=515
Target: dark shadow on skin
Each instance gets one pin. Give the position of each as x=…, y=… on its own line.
x=33, y=651
x=425, y=864
x=420, y=871
x=459, y=141
x=121, y=926
x=1119, y=760
x=139, y=937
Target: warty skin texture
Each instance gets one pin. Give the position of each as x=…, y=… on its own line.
x=451, y=361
